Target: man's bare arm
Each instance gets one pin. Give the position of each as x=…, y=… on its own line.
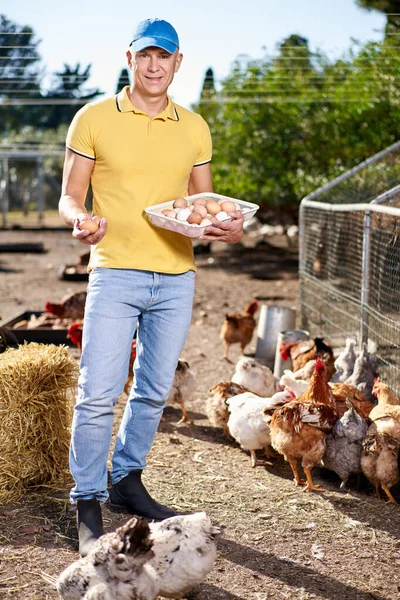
x=76, y=180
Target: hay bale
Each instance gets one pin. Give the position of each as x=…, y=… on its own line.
x=35, y=416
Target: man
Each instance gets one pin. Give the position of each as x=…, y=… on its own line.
x=136, y=150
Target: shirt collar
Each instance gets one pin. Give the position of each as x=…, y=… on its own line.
x=125, y=105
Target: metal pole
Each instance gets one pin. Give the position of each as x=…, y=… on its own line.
x=39, y=189
x=366, y=257
x=5, y=200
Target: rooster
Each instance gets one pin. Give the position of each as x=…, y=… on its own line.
x=239, y=328
x=298, y=429
x=302, y=352
x=71, y=306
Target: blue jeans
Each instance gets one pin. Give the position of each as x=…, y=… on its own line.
x=117, y=300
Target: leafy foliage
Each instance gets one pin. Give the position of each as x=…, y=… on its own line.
x=284, y=125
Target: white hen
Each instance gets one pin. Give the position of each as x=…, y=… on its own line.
x=249, y=418
x=185, y=550
x=289, y=380
x=255, y=377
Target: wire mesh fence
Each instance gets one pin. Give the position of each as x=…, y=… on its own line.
x=350, y=260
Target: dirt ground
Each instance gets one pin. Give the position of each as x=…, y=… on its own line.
x=277, y=542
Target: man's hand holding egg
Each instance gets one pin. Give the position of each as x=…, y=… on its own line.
x=225, y=231
x=89, y=230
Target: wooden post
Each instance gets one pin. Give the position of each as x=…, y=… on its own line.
x=5, y=199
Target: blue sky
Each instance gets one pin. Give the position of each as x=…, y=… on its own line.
x=212, y=32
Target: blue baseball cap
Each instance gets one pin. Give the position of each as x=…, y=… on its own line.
x=155, y=32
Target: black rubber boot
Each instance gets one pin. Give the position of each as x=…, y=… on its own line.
x=130, y=496
x=90, y=524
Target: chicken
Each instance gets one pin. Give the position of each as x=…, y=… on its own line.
x=298, y=386
x=216, y=406
x=342, y=394
x=299, y=429
x=185, y=551
x=239, y=327
x=117, y=566
x=364, y=373
x=72, y=306
x=305, y=372
x=302, y=352
x=385, y=416
x=379, y=461
x=132, y=356
x=7, y=339
x=249, y=418
x=255, y=377
x=344, y=364
x=75, y=333
x=140, y=561
x=343, y=445
x=183, y=388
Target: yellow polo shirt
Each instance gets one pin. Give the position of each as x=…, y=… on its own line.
x=138, y=162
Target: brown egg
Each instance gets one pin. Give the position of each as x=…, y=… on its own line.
x=166, y=211
x=213, y=207
x=89, y=225
x=200, y=209
x=180, y=203
x=195, y=218
x=171, y=214
x=228, y=206
x=200, y=201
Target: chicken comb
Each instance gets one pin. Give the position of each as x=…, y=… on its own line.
x=376, y=380
x=319, y=365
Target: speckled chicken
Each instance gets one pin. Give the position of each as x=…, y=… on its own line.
x=379, y=461
x=255, y=377
x=343, y=445
x=117, y=567
x=249, y=418
x=184, y=552
x=183, y=388
x=344, y=364
x=216, y=406
x=364, y=373
x=140, y=561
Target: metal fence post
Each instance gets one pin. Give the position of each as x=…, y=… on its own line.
x=365, y=267
x=39, y=189
x=5, y=200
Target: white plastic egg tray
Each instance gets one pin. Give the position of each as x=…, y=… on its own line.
x=154, y=213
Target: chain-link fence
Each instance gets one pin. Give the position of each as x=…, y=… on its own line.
x=350, y=260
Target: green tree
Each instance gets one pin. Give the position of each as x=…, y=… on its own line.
x=123, y=80
x=391, y=8
x=68, y=94
x=20, y=72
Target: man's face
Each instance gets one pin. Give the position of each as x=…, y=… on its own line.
x=153, y=69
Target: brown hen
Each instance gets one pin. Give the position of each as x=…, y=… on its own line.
x=301, y=353
x=239, y=327
x=298, y=429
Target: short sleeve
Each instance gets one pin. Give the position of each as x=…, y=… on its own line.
x=80, y=136
x=205, y=144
